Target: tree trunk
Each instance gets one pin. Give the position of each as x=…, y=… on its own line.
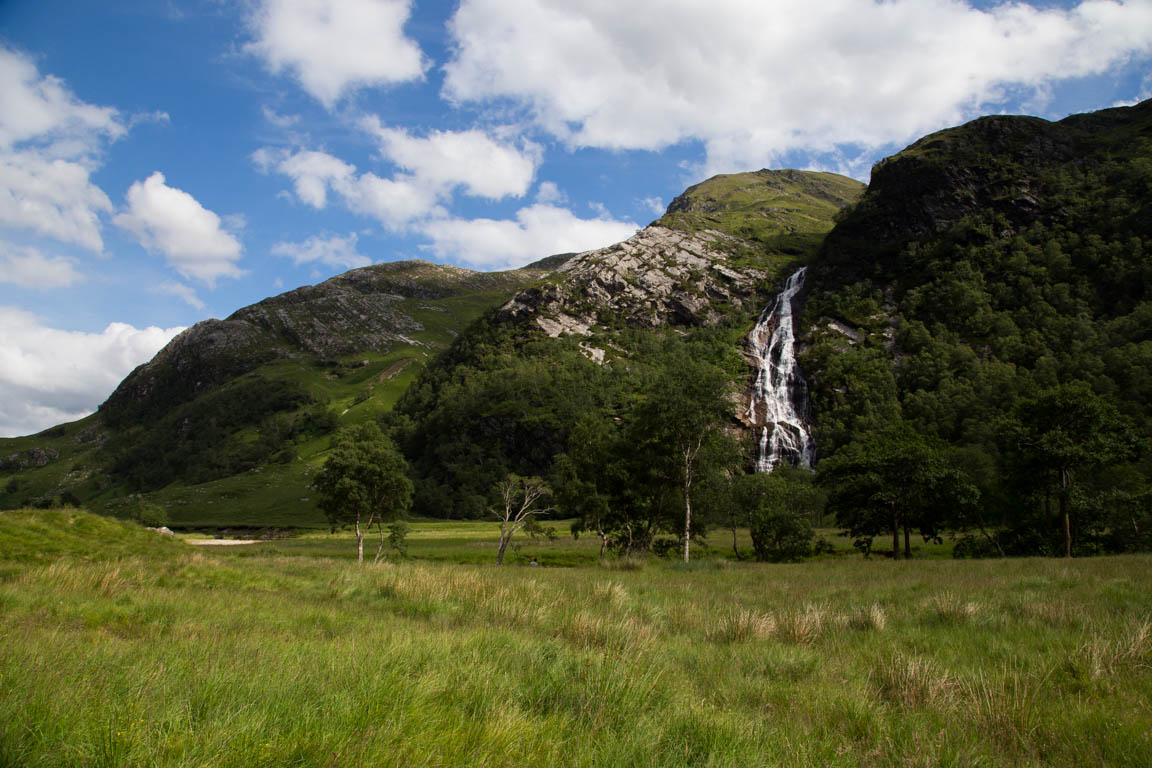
x=907, y=545
x=895, y=534
x=689, y=457
x=380, y=546
x=505, y=537
x=687, y=523
x=1064, y=512
x=603, y=539
x=359, y=541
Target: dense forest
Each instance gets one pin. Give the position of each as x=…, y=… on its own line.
x=990, y=296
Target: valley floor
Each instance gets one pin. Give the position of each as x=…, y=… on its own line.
x=124, y=648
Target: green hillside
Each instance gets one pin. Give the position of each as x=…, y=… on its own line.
x=778, y=212
x=993, y=290
x=574, y=364
x=225, y=425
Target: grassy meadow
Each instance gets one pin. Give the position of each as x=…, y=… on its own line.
x=124, y=648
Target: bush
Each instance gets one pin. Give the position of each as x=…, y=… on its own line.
x=782, y=537
x=149, y=514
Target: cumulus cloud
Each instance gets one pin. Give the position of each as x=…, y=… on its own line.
x=332, y=250
x=752, y=79
x=35, y=106
x=549, y=193
x=654, y=204
x=336, y=46
x=172, y=222
x=29, y=268
x=181, y=291
x=49, y=376
x=471, y=159
x=395, y=202
x=539, y=230
x=49, y=145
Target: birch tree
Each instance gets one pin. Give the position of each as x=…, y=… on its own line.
x=683, y=418
x=364, y=482
x=519, y=499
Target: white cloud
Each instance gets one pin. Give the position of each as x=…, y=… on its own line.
x=335, y=46
x=471, y=159
x=278, y=120
x=752, y=79
x=48, y=376
x=51, y=196
x=549, y=193
x=29, y=268
x=33, y=106
x=334, y=251
x=312, y=173
x=181, y=291
x=190, y=236
x=394, y=202
x=538, y=231
x=49, y=143
x=654, y=204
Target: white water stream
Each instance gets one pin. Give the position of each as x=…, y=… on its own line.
x=780, y=395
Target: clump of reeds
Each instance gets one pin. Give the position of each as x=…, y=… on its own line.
x=743, y=625
x=870, y=617
x=912, y=681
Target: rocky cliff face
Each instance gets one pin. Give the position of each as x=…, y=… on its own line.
x=659, y=276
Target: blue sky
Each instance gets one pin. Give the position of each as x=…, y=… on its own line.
x=166, y=162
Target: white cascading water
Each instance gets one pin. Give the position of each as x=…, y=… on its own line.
x=780, y=394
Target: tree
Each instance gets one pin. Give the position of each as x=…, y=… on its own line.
x=518, y=498
x=1060, y=433
x=681, y=421
x=779, y=509
x=893, y=480
x=364, y=482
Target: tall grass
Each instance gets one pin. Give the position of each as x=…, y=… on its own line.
x=182, y=657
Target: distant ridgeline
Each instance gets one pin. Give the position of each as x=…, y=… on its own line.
x=981, y=312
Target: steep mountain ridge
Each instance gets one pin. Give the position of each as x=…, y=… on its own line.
x=985, y=266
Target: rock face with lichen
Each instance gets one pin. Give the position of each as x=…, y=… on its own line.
x=659, y=276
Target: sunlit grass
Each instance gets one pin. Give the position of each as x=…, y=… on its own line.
x=122, y=653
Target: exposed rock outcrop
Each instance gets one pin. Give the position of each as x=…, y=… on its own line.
x=659, y=276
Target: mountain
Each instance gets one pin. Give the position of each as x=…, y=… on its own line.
x=584, y=342
x=225, y=424
x=991, y=271
x=990, y=293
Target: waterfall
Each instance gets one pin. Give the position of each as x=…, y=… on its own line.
x=780, y=395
